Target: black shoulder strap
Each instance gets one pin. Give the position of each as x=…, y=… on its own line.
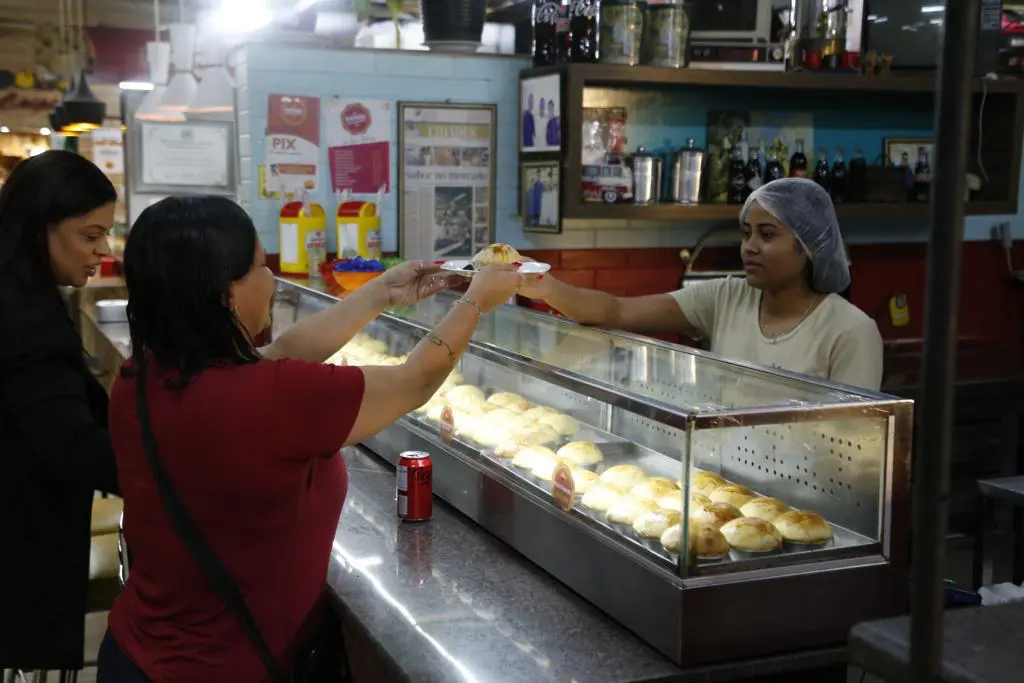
x=221, y=582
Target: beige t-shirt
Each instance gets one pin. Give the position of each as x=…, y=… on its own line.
x=837, y=341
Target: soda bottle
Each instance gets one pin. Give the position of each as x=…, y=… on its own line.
x=839, y=178
x=753, y=172
x=737, y=176
x=798, y=162
x=821, y=173
x=583, y=22
x=545, y=35
x=773, y=167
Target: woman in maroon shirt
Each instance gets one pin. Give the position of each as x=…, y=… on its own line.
x=249, y=438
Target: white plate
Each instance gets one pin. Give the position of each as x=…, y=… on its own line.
x=528, y=268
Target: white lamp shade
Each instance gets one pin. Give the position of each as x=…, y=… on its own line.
x=183, y=46
x=158, y=56
x=180, y=92
x=150, y=109
x=215, y=93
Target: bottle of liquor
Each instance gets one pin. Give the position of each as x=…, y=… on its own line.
x=922, y=177
x=737, y=176
x=545, y=34
x=839, y=177
x=798, y=162
x=583, y=22
x=753, y=172
x=773, y=167
x=821, y=173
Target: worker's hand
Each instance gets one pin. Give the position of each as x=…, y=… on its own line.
x=535, y=286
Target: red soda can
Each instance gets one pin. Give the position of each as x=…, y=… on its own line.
x=414, y=486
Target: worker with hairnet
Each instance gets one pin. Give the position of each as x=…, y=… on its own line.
x=787, y=312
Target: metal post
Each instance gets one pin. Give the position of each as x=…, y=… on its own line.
x=935, y=417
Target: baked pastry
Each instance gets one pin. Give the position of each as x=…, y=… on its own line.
x=507, y=399
x=623, y=476
x=496, y=253
x=539, y=412
x=752, y=535
x=531, y=456
x=672, y=537
x=539, y=434
x=486, y=433
x=671, y=501
x=653, y=524
x=707, y=541
x=714, y=514
x=764, y=508
x=602, y=496
x=464, y=395
x=563, y=424
x=733, y=494
x=434, y=412
x=626, y=510
x=653, y=488
x=376, y=346
x=509, y=447
x=583, y=480
x=800, y=526
x=706, y=482
x=580, y=453
x=699, y=500
x=544, y=464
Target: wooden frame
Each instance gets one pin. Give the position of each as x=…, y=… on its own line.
x=535, y=223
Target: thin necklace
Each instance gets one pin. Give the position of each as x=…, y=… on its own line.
x=774, y=338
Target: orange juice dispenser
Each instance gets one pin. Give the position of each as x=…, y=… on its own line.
x=358, y=226
x=302, y=224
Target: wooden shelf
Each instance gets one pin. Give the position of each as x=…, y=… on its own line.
x=712, y=212
x=597, y=75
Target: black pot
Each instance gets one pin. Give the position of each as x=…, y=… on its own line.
x=452, y=20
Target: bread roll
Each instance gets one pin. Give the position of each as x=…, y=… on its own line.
x=531, y=456
x=752, y=535
x=602, y=496
x=626, y=510
x=706, y=482
x=539, y=434
x=800, y=526
x=707, y=541
x=496, y=253
x=508, y=448
x=764, y=508
x=672, y=538
x=653, y=524
x=580, y=453
x=699, y=500
x=563, y=424
x=464, y=395
x=653, y=488
x=623, y=476
x=583, y=480
x=714, y=514
x=539, y=412
x=671, y=501
x=733, y=494
x=488, y=433
x=507, y=399
x=376, y=346
x=544, y=464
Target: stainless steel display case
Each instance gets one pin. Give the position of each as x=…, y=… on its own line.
x=835, y=450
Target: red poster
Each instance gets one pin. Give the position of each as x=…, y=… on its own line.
x=292, y=142
x=363, y=169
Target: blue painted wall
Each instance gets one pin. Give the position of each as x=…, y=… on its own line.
x=657, y=120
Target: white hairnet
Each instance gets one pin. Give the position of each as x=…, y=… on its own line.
x=806, y=209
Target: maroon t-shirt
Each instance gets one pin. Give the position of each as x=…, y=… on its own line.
x=253, y=453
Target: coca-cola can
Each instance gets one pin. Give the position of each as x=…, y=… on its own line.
x=414, y=486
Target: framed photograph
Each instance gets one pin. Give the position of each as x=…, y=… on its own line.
x=903, y=152
x=541, y=200
x=540, y=106
x=446, y=174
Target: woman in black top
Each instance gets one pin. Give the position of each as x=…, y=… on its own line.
x=56, y=211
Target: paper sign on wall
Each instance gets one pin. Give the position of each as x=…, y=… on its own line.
x=293, y=143
x=358, y=136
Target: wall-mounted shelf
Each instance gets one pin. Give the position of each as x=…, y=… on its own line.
x=711, y=212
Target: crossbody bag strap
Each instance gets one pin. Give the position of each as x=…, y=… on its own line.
x=216, y=573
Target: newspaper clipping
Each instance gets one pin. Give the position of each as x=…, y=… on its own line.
x=447, y=167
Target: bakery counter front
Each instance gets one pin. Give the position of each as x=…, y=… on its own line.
x=718, y=511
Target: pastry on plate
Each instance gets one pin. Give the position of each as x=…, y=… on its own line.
x=672, y=538
x=706, y=482
x=624, y=476
x=707, y=541
x=544, y=465
x=626, y=510
x=496, y=253
x=507, y=399
x=531, y=456
x=800, y=526
x=583, y=480
x=764, y=508
x=733, y=494
x=653, y=524
x=653, y=488
x=580, y=453
x=714, y=514
x=602, y=496
x=561, y=423
x=752, y=535
x=465, y=395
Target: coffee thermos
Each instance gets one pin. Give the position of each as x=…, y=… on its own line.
x=688, y=174
x=646, y=177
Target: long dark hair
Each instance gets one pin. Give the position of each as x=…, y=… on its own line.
x=182, y=256
x=41, y=192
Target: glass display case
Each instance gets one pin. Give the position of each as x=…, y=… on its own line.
x=717, y=509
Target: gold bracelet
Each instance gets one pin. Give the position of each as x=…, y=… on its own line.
x=437, y=341
x=467, y=300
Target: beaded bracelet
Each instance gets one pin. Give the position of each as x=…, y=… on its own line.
x=467, y=300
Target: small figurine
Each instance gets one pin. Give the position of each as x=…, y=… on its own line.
x=886, y=65
x=870, y=63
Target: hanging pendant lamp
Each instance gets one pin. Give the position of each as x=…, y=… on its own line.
x=158, y=56
x=83, y=110
x=182, y=88
x=216, y=92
